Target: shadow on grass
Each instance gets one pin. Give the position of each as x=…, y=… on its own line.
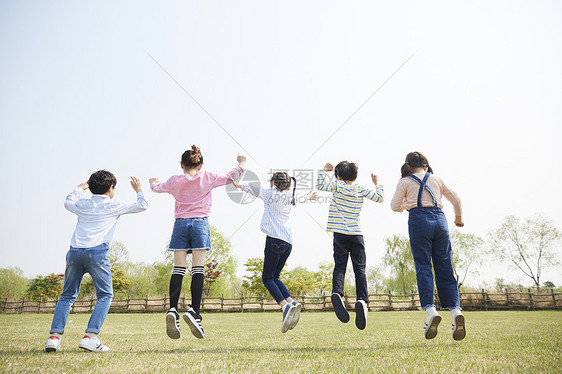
x=300, y=350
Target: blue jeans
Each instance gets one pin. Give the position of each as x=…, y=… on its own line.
x=429, y=240
x=80, y=261
x=276, y=253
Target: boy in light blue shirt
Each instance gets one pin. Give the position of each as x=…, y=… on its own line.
x=89, y=246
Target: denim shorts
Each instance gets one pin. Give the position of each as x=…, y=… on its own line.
x=191, y=234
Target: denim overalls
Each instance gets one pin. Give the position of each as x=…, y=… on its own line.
x=429, y=240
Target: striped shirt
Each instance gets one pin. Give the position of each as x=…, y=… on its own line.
x=346, y=203
x=277, y=206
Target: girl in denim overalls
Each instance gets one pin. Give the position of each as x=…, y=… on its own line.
x=419, y=192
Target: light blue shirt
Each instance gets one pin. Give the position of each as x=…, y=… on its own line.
x=97, y=216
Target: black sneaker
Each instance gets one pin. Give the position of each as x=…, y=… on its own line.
x=361, y=310
x=339, y=308
x=193, y=320
x=173, y=323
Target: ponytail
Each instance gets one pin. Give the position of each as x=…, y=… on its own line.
x=414, y=160
x=192, y=157
x=294, y=189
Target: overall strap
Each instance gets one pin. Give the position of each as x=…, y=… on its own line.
x=423, y=186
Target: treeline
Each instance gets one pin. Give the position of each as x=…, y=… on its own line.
x=529, y=246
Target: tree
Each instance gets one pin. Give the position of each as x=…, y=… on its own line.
x=323, y=278
x=211, y=275
x=118, y=255
x=300, y=281
x=467, y=253
x=375, y=279
x=399, y=260
x=45, y=286
x=529, y=245
x=252, y=283
x=12, y=283
x=549, y=284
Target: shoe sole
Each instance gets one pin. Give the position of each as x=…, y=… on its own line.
x=171, y=328
x=360, y=316
x=460, y=331
x=431, y=331
x=51, y=349
x=287, y=322
x=193, y=326
x=91, y=350
x=297, y=316
x=339, y=308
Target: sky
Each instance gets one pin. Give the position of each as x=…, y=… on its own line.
x=128, y=86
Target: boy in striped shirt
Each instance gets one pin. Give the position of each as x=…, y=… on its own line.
x=343, y=221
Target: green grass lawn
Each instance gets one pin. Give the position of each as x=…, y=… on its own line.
x=511, y=341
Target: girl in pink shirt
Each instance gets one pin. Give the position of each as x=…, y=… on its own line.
x=191, y=234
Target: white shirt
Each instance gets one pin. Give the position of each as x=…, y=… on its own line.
x=277, y=206
x=97, y=216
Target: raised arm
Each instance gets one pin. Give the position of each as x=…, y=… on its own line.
x=139, y=205
x=233, y=175
x=321, y=183
x=73, y=197
x=158, y=187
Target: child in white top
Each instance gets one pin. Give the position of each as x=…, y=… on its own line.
x=277, y=202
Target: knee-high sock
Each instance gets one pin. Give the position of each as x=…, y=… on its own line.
x=197, y=277
x=175, y=285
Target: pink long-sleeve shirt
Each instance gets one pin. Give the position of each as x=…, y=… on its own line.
x=406, y=195
x=193, y=193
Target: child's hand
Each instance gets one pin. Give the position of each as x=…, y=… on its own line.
x=458, y=221
x=236, y=185
x=136, y=184
x=312, y=196
x=83, y=185
x=328, y=167
x=153, y=180
x=375, y=179
x=241, y=160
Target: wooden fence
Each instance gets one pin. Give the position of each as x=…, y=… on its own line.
x=508, y=300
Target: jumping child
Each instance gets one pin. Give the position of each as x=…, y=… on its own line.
x=89, y=246
x=277, y=202
x=191, y=233
x=420, y=192
x=343, y=221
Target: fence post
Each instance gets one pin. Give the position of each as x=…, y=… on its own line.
x=346, y=302
x=39, y=305
x=242, y=303
x=165, y=302
x=91, y=303
x=22, y=304
x=532, y=306
x=323, y=302
x=6, y=304
x=507, y=298
x=413, y=300
x=146, y=304
x=553, y=297
x=389, y=300
x=484, y=299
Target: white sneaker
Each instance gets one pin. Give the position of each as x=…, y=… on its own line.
x=430, y=326
x=92, y=344
x=297, y=314
x=173, y=323
x=288, y=317
x=193, y=320
x=52, y=344
x=459, y=330
x=361, y=311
